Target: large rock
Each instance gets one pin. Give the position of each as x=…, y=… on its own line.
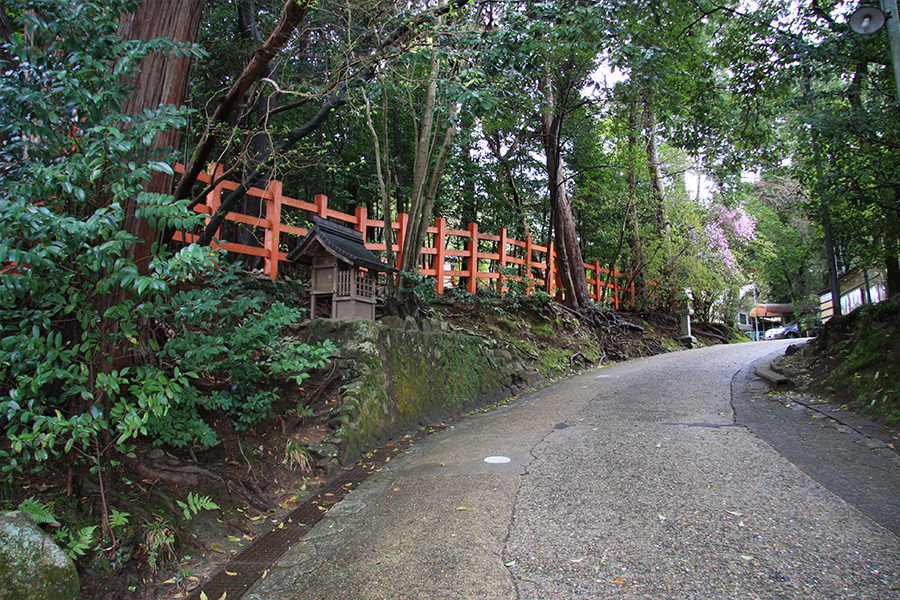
x=32, y=567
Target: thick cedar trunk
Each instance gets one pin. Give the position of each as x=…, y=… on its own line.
x=161, y=80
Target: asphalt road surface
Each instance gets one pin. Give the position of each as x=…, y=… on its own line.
x=656, y=478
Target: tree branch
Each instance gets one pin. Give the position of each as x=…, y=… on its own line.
x=293, y=13
x=262, y=169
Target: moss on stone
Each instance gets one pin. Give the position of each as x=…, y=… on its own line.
x=32, y=567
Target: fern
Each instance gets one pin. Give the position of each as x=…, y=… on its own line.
x=76, y=542
x=38, y=511
x=118, y=518
x=195, y=503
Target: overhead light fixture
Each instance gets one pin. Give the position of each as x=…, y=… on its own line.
x=866, y=19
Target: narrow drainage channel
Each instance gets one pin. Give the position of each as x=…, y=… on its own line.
x=233, y=579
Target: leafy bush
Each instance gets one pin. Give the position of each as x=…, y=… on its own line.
x=421, y=287
x=104, y=335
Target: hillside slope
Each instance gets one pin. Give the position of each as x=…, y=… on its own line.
x=855, y=361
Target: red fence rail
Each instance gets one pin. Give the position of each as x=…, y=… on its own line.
x=464, y=257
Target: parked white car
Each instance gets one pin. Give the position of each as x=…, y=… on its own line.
x=791, y=330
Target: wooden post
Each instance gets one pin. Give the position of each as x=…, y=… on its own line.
x=598, y=281
x=322, y=205
x=214, y=198
x=362, y=221
x=403, y=221
x=501, y=253
x=472, y=283
x=529, y=262
x=551, y=268
x=272, y=235
x=439, y=252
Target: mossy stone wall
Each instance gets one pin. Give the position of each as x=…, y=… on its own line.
x=399, y=375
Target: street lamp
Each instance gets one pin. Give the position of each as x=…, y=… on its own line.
x=868, y=19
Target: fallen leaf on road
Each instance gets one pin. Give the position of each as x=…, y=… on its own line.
x=461, y=508
x=577, y=560
x=620, y=581
x=229, y=573
x=735, y=513
x=746, y=557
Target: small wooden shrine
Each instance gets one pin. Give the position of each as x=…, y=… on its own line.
x=342, y=268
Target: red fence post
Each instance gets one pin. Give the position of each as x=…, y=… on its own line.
x=272, y=235
x=214, y=198
x=501, y=256
x=362, y=221
x=322, y=205
x=439, y=253
x=472, y=284
x=529, y=269
x=402, y=221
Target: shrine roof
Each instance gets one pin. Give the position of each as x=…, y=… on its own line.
x=341, y=242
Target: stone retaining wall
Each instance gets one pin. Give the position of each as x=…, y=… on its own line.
x=399, y=375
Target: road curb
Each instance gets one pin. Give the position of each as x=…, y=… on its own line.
x=776, y=381
x=780, y=382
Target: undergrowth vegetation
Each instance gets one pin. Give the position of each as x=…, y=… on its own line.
x=857, y=356
x=107, y=338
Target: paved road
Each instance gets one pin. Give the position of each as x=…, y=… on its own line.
x=631, y=481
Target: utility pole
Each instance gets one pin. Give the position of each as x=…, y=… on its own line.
x=889, y=7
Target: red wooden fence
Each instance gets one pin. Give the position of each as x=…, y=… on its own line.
x=451, y=256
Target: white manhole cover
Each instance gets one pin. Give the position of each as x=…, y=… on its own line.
x=497, y=459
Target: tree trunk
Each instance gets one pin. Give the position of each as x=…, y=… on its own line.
x=506, y=173
x=161, y=80
x=382, y=165
x=635, y=245
x=434, y=181
x=568, y=250
x=657, y=189
x=410, y=257
x=834, y=282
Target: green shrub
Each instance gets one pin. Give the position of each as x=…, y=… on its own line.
x=103, y=336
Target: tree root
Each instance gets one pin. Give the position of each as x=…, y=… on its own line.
x=193, y=476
